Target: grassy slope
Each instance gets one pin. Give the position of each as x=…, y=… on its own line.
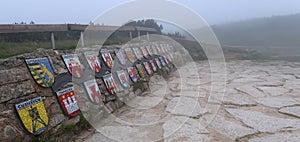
x=8, y=49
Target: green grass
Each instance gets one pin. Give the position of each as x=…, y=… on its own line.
x=42, y=139
x=138, y=85
x=68, y=128
x=8, y=49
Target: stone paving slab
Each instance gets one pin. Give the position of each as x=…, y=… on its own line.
x=185, y=106
x=278, y=138
x=190, y=93
x=274, y=91
x=250, y=90
x=277, y=102
x=235, y=98
x=263, y=122
x=98, y=137
x=124, y=133
x=230, y=129
x=294, y=111
x=181, y=128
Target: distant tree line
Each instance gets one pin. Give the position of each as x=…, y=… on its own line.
x=24, y=23
x=149, y=23
x=176, y=34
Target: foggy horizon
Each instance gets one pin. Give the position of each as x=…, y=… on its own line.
x=214, y=12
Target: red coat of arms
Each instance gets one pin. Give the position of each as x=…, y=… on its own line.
x=120, y=56
x=153, y=65
x=158, y=49
x=162, y=48
x=158, y=63
x=123, y=78
x=144, y=51
x=166, y=59
x=93, y=91
x=93, y=61
x=148, y=68
x=149, y=50
x=107, y=58
x=68, y=101
x=154, y=50
x=137, y=53
x=110, y=84
x=73, y=64
x=132, y=74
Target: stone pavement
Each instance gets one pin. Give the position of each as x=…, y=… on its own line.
x=261, y=104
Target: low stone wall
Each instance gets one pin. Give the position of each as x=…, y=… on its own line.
x=17, y=85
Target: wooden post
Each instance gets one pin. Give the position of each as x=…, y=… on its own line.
x=52, y=41
x=130, y=35
x=148, y=38
x=81, y=39
x=139, y=35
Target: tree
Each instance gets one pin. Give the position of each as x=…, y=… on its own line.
x=176, y=34
x=149, y=23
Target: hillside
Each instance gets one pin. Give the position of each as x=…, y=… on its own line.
x=278, y=31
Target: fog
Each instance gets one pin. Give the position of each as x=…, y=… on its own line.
x=69, y=11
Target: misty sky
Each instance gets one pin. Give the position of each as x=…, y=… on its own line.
x=83, y=11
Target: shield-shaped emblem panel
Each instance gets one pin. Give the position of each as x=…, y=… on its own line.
x=93, y=91
x=123, y=78
x=153, y=65
x=137, y=53
x=110, y=83
x=141, y=71
x=120, y=55
x=93, y=61
x=158, y=63
x=73, y=64
x=68, y=101
x=41, y=71
x=132, y=74
x=33, y=115
x=144, y=51
x=130, y=56
x=148, y=68
x=149, y=50
x=162, y=60
x=154, y=50
x=162, y=48
x=106, y=57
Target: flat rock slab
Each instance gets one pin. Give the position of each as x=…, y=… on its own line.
x=294, y=111
x=148, y=100
x=185, y=106
x=245, y=80
x=233, y=97
x=97, y=137
x=230, y=129
x=274, y=91
x=277, y=102
x=189, y=93
x=250, y=90
x=139, y=116
x=124, y=133
x=238, y=99
x=180, y=128
x=278, y=138
x=264, y=123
